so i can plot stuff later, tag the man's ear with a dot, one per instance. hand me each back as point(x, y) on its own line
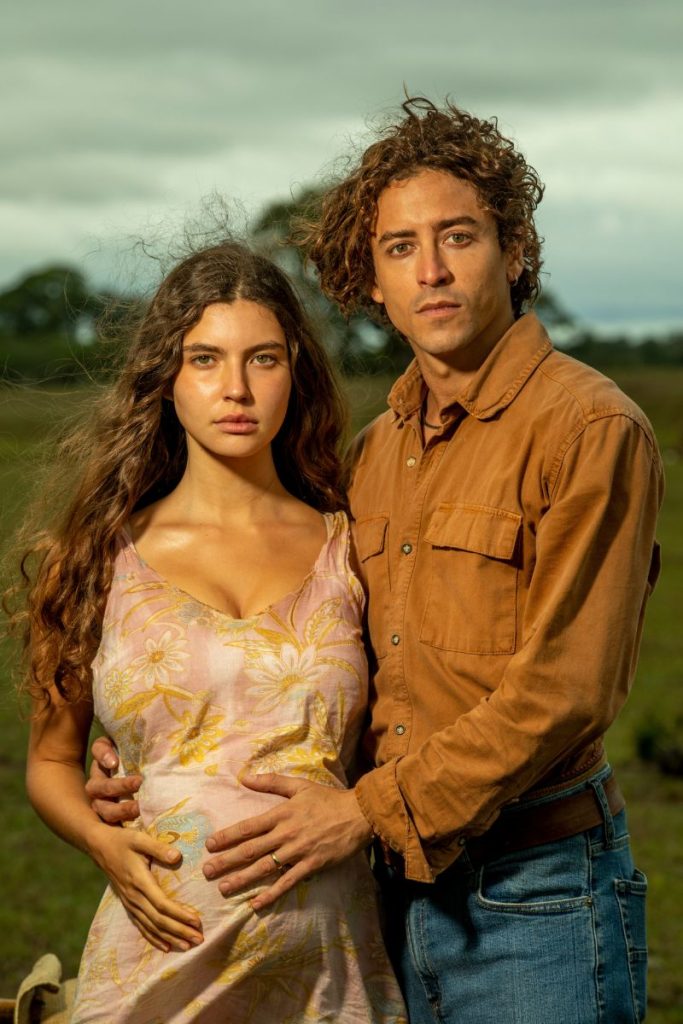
point(376, 294)
point(514, 258)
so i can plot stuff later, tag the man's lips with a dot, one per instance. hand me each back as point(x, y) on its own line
point(438, 309)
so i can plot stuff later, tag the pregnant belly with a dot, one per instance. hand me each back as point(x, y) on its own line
point(187, 805)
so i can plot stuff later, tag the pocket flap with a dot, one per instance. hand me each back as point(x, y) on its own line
point(487, 531)
point(370, 533)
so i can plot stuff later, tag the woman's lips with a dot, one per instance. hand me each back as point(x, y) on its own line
point(236, 425)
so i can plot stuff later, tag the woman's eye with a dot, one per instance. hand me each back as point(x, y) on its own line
point(264, 359)
point(202, 360)
point(400, 249)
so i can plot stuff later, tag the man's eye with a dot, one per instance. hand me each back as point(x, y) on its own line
point(264, 359)
point(400, 249)
point(458, 237)
point(202, 360)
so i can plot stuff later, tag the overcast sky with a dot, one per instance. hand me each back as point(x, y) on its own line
point(117, 118)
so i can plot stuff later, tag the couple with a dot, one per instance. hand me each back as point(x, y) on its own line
point(504, 512)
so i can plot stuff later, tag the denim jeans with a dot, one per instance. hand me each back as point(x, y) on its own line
point(553, 934)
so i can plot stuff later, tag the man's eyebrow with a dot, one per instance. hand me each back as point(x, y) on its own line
point(450, 222)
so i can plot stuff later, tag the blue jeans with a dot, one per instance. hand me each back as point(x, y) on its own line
point(553, 934)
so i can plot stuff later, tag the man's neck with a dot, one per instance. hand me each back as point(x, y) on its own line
point(449, 376)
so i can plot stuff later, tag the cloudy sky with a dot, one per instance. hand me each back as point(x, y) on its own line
point(117, 118)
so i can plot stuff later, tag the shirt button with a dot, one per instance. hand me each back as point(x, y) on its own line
point(395, 639)
point(406, 548)
point(462, 840)
point(399, 730)
point(410, 461)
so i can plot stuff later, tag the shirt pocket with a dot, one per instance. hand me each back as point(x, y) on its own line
point(371, 545)
point(471, 604)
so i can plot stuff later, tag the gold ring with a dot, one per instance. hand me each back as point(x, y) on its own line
point(278, 863)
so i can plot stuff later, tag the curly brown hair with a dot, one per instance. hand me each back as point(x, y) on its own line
point(132, 451)
point(336, 229)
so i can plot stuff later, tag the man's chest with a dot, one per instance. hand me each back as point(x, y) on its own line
point(446, 534)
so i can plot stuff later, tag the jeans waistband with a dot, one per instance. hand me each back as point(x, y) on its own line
point(532, 823)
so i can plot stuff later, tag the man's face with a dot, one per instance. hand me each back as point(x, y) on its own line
point(439, 269)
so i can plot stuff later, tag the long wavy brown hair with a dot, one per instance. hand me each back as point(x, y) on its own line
point(132, 451)
point(335, 232)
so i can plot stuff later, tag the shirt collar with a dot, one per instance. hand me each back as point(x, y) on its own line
point(496, 384)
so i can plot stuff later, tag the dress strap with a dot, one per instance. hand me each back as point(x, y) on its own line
point(339, 551)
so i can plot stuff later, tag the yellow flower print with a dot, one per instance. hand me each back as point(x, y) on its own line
point(116, 686)
point(162, 656)
point(197, 736)
point(291, 673)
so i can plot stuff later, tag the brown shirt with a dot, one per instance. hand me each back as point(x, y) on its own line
point(508, 563)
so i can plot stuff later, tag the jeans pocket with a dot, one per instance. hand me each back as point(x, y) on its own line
point(630, 894)
point(548, 879)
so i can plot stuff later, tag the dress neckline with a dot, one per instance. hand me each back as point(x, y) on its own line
point(330, 524)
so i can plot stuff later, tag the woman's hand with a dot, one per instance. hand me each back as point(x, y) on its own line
point(112, 797)
point(125, 855)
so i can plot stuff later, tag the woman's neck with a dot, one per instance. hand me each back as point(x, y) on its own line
point(217, 491)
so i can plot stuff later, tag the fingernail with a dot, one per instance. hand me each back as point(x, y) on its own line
point(109, 761)
point(211, 844)
point(226, 888)
point(173, 855)
point(183, 946)
point(209, 871)
point(197, 940)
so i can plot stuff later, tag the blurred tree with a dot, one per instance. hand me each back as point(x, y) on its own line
point(360, 345)
point(55, 300)
point(48, 325)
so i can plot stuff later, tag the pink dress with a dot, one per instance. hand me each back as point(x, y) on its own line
point(193, 698)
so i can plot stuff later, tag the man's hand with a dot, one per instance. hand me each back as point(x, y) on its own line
point(111, 797)
point(314, 828)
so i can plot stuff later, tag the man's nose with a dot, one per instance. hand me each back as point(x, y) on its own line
point(432, 269)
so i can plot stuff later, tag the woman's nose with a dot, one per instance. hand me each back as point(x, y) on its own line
point(235, 384)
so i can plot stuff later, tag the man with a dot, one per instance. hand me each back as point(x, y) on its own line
point(505, 509)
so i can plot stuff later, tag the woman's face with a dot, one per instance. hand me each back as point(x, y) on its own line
point(232, 390)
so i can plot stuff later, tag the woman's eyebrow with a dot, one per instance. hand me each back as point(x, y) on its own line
point(200, 346)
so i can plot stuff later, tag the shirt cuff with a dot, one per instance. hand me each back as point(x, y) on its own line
point(382, 803)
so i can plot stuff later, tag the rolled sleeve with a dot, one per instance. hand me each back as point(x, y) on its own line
point(385, 807)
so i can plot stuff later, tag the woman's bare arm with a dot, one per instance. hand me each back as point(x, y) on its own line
point(56, 787)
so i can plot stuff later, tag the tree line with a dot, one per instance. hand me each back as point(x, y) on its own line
point(55, 327)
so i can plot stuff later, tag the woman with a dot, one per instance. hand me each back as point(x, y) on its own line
point(197, 594)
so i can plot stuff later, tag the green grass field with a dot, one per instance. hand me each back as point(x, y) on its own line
point(48, 892)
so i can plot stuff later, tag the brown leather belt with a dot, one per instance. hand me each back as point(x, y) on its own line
point(520, 827)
